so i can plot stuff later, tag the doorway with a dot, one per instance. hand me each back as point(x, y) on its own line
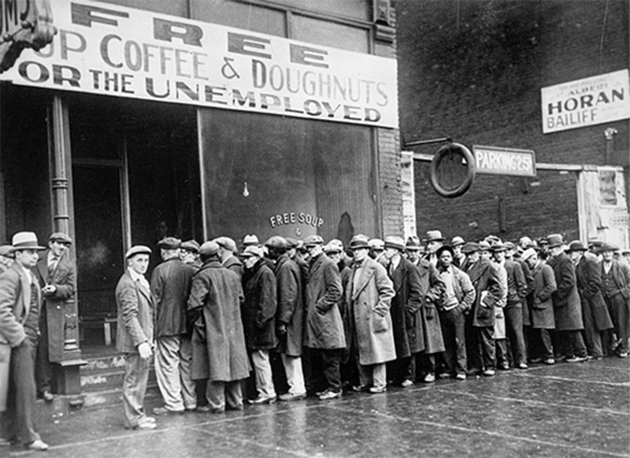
point(135, 180)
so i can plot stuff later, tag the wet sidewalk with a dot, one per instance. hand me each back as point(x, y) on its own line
point(566, 410)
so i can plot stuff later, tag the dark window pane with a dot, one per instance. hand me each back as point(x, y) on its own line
point(330, 34)
point(242, 16)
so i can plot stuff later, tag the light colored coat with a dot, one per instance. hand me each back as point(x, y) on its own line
point(370, 301)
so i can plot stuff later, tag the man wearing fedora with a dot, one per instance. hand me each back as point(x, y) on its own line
point(566, 303)
point(368, 294)
point(57, 277)
point(616, 289)
point(594, 310)
point(134, 338)
point(170, 286)
point(433, 242)
point(20, 302)
point(459, 258)
point(413, 249)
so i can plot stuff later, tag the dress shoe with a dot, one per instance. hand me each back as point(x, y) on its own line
point(622, 354)
point(330, 395)
point(234, 407)
point(263, 400)
point(145, 423)
point(576, 359)
point(292, 397)
point(429, 378)
point(522, 366)
point(161, 411)
point(550, 361)
point(407, 383)
point(460, 376)
point(360, 388)
point(38, 446)
point(378, 389)
point(47, 396)
point(488, 372)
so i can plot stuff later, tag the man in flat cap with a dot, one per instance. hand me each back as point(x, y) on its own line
point(20, 302)
point(616, 289)
point(56, 274)
point(134, 338)
point(189, 253)
point(170, 285)
point(227, 254)
point(6, 258)
point(219, 353)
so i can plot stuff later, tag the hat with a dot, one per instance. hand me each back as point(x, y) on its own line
point(594, 242)
point(492, 239)
point(457, 240)
point(470, 247)
point(208, 249)
point(528, 253)
point(576, 245)
point(228, 243)
point(497, 246)
point(6, 251)
point(137, 249)
point(169, 243)
point(554, 240)
point(277, 242)
point(359, 241)
point(60, 237)
point(250, 240)
point(25, 241)
point(312, 240)
point(253, 250)
point(413, 243)
point(525, 241)
point(394, 242)
point(483, 246)
point(334, 246)
point(509, 246)
point(623, 252)
point(434, 236)
point(376, 244)
point(190, 245)
point(444, 248)
point(291, 242)
point(607, 247)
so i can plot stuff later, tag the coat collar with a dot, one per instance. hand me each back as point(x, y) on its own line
point(366, 273)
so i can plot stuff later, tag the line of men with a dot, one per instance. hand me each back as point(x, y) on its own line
point(387, 314)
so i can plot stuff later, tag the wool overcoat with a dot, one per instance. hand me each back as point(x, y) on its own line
point(567, 307)
point(432, 289)
point(405, 309)
point(259, 310)
point(541, 305)
point(290, 310)
point(589, 278)
point(489, 290)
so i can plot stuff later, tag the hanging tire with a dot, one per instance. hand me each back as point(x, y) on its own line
point(442, 153)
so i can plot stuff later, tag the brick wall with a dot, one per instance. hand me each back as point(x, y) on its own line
point(473, 71)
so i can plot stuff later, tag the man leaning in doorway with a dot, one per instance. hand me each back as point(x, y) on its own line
point(170, 286)
point(20, 302)
point(57, 278)
point(135, 335)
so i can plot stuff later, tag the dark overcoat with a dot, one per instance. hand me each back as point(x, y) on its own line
point(369, 293)
point(170, 285)
point(324, 326)
point(489, 291)
point(589, 278)
point(218, 340)
point(290, 305)
point(64, 278)
point(566, 300)
point(259, 309)
point(432, 289)
point(135, 314)
point(541, 305)
point(235, 265)
point(405, 309)
point(527, 302)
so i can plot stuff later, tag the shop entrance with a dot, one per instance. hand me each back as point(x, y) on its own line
point(135, 174)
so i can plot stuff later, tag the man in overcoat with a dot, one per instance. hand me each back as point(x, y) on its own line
point(405, 313)
point(170, 285)
point(57, 278)
point(324, 326)
point(289, 317)
point(369, 294)
point(219, 352)
point(227, 253)
point(134, 338)
point(20, 303)
point(489, 290)
point(594, 310)
point(616, 289)
point(541, 307)
point(566, 303)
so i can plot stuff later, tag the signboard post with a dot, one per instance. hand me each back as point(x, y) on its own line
point(505, 161)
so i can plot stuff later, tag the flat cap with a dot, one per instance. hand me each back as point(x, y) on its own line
point(190, 245)
point(394, 242)
point(227, 243)
point(470, 247)
point(208, 249)
point(334, 246)
point(60, 237)
point(277, 242)
point(528, 253)
point(292, 243)
point(376, 244)
point(313, 240)
point(509, 246)
point(6, 251)
point(137, 249)
point(253, 250)
point(169, 243)
point(483, 246)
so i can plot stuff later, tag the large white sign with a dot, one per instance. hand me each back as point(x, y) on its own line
point(586, 102)
point(124, 52)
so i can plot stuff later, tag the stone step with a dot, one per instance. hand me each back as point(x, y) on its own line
point(105, 380)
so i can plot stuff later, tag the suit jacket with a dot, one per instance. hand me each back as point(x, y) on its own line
point(621, 277)
point(170, 286)
point(64, 278)
point(566, 300)
point(135, 314)
point(489, 291)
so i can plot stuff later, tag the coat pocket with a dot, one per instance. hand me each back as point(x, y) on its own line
point(379, 323)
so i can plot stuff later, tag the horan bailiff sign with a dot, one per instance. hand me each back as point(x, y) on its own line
point(504, 161)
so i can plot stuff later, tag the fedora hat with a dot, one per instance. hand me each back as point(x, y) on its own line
point(607, 247)
point(359, 241)
point(498, 246)
point(554, 240)
point(394, 242)
point(413, 243)
point(434, 236)
point(528, 253)
point(251, 239)
point(576, 245)
point(25, 241)
point(483, 246)
point(457, 241)
point(470, 247)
